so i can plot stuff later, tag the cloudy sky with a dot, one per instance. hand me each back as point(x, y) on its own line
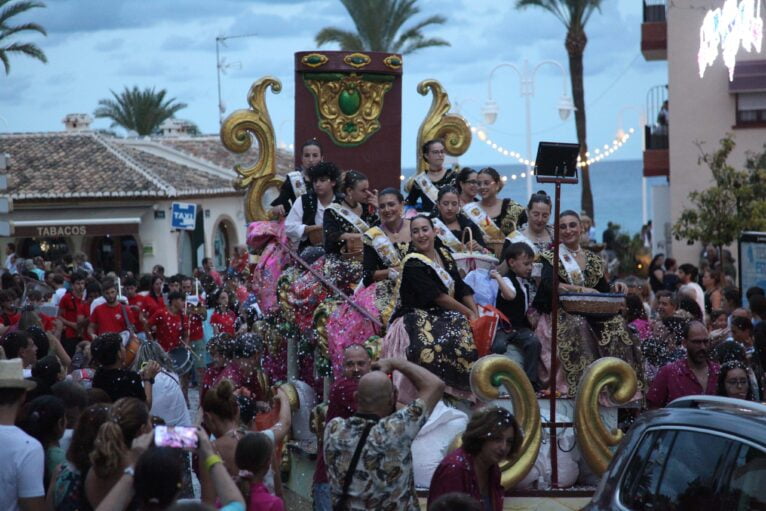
point(94, 46)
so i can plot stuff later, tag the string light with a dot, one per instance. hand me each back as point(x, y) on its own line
point(598, 153)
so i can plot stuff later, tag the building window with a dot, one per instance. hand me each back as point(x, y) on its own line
point(751, 109)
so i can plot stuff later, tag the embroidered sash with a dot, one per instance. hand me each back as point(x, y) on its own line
point(480, 217)
point(443, 274)
point(427, 187)
point(383, 246)
point(350, 217)
point(576, 277)
point(449, 239)
point(517, 237)
point(297, 182)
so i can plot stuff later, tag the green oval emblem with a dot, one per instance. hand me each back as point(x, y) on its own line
point(349, 101)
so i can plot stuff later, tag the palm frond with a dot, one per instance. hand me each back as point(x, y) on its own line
point(6, 62)
point(9, 31)
point(16, 9)
point(346, 40)
point(417, 44)
point(553, 6)
point(137, 110)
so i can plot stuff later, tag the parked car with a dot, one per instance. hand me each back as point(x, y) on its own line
point(699, 453)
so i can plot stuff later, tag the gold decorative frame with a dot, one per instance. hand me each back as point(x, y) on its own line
point(450, 127)
point(594, 439)
point(314, 60)
point(237, 133)
point(348, 106)
point(487, 374)
point(357, 60)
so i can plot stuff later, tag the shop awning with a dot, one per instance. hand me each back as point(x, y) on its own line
point(749, 76)
point(64, 223)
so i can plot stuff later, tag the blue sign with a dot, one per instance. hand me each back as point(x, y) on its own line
point(183, 216)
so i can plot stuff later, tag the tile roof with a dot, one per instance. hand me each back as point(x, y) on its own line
point(88, 165)
point(210, 149)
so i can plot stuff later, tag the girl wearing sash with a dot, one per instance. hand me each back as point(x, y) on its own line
point(435, 309)
point(506, 214)
point(297, 182)
point(537, 229)
point(581, 339)
point(425, 186)
point(344, 220)
point(447, 217)
point(384, 250)
point(307, 214)
point(467, 185)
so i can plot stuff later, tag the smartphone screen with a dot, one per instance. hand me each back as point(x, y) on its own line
point(176, 436)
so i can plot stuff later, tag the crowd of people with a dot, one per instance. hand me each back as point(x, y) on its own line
point(389, 298)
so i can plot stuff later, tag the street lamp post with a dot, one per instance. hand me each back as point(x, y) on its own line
point(527, 82)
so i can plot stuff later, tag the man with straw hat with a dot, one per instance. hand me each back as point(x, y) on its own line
point(21, 472)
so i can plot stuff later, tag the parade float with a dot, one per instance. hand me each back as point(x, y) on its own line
point(351, 102)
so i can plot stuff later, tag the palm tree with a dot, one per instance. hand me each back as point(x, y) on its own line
point(136, 110)
point(574, 14)
point(378, 23)
point(6, 31)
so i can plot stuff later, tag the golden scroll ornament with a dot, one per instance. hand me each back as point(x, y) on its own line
point(237, 133)
point(619, 379)
point(487, 374)
point(450, 127)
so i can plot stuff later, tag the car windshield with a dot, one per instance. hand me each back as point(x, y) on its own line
point(680, 469)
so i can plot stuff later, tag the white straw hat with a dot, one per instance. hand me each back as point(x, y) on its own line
point(12, 375)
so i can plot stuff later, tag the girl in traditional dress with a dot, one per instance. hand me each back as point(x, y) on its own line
point(297, 182)
point(435, 309)
point(384, 250)
point(426, 185)
point(450, 223)
point(505, 214)
point(581, 339)
point(538, 230)
point(467, 185)
point(344, 224)
point(307, 214)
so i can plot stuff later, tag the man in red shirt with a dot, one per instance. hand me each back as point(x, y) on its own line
point(196, 313)
point(112, 316)
point(9, 316)
point(695, 374)
point(74, 313)
point(135, 304)
point(169, 326)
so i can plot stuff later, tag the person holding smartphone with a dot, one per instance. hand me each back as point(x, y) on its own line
point(153, 477)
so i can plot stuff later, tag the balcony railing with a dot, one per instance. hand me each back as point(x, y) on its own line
point(654, 11)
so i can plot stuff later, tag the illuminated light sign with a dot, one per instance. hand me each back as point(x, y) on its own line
point(729, 27)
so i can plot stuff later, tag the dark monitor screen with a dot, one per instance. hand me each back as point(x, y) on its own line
point(556, 162)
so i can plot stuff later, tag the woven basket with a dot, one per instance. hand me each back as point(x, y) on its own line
point(468, 261)
point(496, 246)
point(592, 304)
point(316, 237)
point(353, 249)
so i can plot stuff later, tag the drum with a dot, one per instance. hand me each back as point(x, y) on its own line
point(132, 345)
point(182, 359)
point(595, 305)
point(353, 249)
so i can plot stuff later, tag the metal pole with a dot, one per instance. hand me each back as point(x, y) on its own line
point(554, 339)
point(528, 105)
point(218, 69)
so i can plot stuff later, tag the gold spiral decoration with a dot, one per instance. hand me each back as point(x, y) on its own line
point(450, 127)
point(620, 380)
point(321, 315)
point(487, 374)
point(237, 133)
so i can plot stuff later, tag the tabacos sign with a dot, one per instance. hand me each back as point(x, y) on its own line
point(183, 216)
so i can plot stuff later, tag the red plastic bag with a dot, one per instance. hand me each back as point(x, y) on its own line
point(485, 327)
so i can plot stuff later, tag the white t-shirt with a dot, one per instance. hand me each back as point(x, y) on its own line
point(168, 400)
point(294, 227)
point(22, 469)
